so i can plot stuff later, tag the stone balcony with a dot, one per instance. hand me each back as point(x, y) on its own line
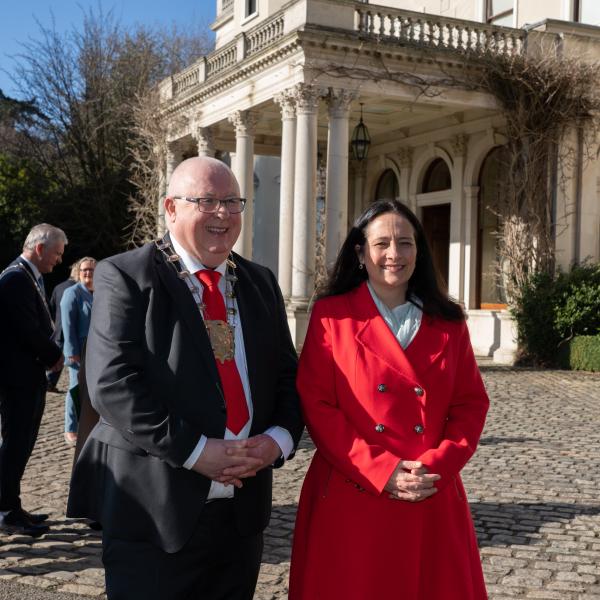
point(367, 23)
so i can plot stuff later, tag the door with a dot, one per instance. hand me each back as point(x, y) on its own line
point(436, 223)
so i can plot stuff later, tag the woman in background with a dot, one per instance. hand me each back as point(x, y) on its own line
point(76, 310)
point(395, 405)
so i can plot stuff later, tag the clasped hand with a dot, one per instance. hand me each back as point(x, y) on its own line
point(230, 461)
point(411, 482)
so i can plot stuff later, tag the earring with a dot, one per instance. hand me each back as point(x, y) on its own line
point(361, 266)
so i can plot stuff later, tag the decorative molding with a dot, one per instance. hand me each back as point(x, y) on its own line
point(459, 145)
point(405, 155)
point(287, 104)
point(339, 102)
point(205, 139)
point(244, 122)
point(307, 98)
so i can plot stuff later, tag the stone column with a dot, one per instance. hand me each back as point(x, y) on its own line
point(336, 191)
point(405, 155)
point(244, 122)
point(360, 173)
point(305, 177)
point(205, 139)
point(305, 210)
point(287, 104)
point(470, 246)
point(456, 254)
point(173, 158)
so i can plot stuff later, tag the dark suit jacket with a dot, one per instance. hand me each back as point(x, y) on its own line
point(57, 294)
point(152, 378)
point(27, 329)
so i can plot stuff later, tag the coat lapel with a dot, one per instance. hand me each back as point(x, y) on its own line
point(376, 337)
point(186, 307)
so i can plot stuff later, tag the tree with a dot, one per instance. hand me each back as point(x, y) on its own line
point(24, 194)
point(83, 85)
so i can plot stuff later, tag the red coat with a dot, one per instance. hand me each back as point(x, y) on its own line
point(368, 404)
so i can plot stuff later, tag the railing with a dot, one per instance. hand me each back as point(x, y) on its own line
point(265, 34)
point(221, 59)
point(432, 31)
point(186, 79)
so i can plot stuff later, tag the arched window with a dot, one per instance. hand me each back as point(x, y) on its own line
point(437, 177)
point(490, 284)
point(387, 186)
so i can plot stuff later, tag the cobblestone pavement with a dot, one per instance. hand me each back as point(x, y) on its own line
point(533, 485)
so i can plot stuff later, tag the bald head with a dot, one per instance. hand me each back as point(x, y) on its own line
point(207, 236)
point(192, 172)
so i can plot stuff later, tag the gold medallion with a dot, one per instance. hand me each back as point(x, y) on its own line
point(220, 334)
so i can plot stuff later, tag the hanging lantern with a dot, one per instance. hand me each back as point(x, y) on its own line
point(361, 140)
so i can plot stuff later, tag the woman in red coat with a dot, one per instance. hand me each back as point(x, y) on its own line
point(395, 405)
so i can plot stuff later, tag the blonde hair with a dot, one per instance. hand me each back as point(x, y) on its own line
point(78, 264)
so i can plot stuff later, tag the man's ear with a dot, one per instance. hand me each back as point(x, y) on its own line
point(39, 249)
point(170, 211)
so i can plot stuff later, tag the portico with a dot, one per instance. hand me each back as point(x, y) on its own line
point(290, 81)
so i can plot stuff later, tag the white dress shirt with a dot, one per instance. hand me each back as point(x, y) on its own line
point(281, 436)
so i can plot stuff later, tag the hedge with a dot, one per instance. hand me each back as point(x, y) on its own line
point(582, 353)
point(553, 309)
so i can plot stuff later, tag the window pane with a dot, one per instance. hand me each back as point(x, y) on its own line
point(500, 6)
point(437, 177)
point(387, 187)
point(506, 20)
point(589, 12)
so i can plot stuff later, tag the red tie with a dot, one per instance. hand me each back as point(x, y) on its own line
point(233, 390)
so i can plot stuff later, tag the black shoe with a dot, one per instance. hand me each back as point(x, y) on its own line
point(95, 525)
point(35, 518)
point(15, 522)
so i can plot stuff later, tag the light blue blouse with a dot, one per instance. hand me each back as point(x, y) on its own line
point(403, 320)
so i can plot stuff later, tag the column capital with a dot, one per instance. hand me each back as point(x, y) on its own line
point(459, 144)
point(287, 104)
point(205, 139)
point(339, 102)
point(306, 98)
point(405, 154)
point(244, 122)
point(471, 191)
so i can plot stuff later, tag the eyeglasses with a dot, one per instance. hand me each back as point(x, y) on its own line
point(212, 205)
point(86, 270)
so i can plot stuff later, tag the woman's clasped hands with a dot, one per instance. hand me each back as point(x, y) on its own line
point(411, 482)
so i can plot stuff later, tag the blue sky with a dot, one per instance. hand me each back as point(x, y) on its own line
point(18, 20)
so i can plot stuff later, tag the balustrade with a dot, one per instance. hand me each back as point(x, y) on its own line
point(431, 31)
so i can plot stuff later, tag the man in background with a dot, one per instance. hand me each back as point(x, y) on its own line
point(26, 323)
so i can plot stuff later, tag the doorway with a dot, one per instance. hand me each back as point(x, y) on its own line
point(436, 223)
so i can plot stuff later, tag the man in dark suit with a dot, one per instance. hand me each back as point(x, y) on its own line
point(191, 367)
point(57, 294)
point(25, 321)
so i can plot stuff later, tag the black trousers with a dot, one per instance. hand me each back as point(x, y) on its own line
point(21, 410)
point(215, 564)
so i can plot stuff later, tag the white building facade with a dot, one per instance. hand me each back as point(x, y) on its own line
point(288, 81)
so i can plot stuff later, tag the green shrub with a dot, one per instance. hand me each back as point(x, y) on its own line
point(551, 310)
point(582, 353)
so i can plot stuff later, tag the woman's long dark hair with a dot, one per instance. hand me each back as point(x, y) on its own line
point(425, 282)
